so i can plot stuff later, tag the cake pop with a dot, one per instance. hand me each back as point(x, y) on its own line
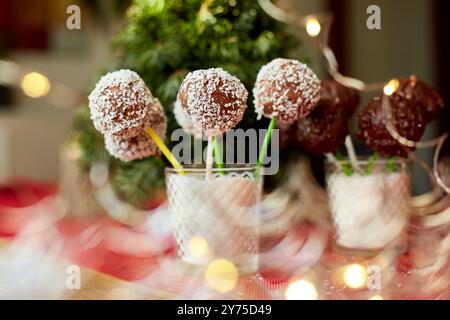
point(428, 98)
point(286, 90)
point(214, 100)
point(325, 129)
point(121, 104)
point(408, 120)
point(139, 147)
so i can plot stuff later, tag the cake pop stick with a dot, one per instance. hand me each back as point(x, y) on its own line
point(166, 152)
point(266, 142)
point(218, 154)
point(209, 156)
point(352, 154)
point(188, 126)
point(332, 159)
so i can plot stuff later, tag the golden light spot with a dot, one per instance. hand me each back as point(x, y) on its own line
point(355, 276)
point(377, 297)
point(35, 85)
point(198, 247)
point(221, 275)
point(301, 290)
point(391, 87)
point(313, 27)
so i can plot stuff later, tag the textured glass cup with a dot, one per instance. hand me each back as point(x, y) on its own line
point(370, 204)
point(216, 214)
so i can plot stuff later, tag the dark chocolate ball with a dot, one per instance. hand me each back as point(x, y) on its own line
point(325, 129)
point(429, 99)
point(408, 120)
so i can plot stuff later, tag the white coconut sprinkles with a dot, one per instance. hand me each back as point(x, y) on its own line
point(120, 104)
point(214, 100)
point(286, 90)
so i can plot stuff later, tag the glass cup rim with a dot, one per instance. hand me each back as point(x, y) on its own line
point(365, 160)
point(202, 169)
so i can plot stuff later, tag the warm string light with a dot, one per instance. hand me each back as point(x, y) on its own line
point(199, 248)
point(313, 27)
point(301, 290)
point(35, 85)
point(391, 87)
point(221, 275)
point(436, 172)
point(355, 276)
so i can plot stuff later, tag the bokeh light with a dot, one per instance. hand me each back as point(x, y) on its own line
point(301, 290)
point(377, 297)
point(391, 87)
point(313, 27)
point(221, 275)
point(355, 276)
point(35, 85)
point(199, 248)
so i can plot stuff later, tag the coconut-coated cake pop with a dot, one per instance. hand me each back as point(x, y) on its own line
point(121, 103)
point(214, 100)
point(286, 90)
point(139, 147)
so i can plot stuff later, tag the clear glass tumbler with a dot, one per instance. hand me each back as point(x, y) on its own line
point(369, 201)
point(216, 214)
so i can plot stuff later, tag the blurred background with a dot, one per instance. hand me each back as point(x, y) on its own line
point(33, 35)
point(57, 198)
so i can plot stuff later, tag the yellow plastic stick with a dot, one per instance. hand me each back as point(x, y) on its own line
point(166, 152)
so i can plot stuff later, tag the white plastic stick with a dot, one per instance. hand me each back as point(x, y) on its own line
point(331, 158)
point(352, 154)
point(209, 157)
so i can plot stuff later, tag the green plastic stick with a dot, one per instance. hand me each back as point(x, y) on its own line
point(266, 142)
point(345, 166)
point(391, 164)
point(373, 158)
point(218, 154)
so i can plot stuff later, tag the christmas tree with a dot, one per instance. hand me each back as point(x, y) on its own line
point(162, 41)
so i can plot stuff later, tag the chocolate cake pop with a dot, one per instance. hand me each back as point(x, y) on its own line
point(325, 129)
point(335, 94)
point(139, 147)
point(214, 100)
point(121, 103)
point(408, 120)
point(428, 98)
point(286, 90)
point(288, 135)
